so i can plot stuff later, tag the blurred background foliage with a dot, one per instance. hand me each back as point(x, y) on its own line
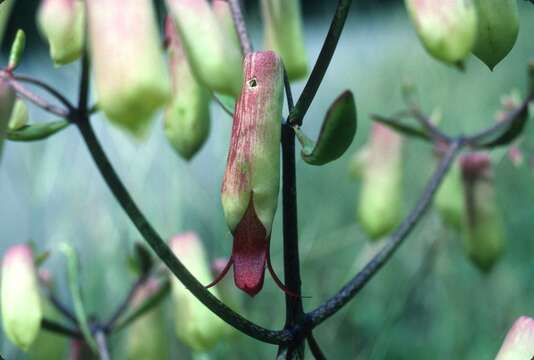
point(429, 301)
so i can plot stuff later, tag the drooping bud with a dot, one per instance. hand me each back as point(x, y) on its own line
point(196, 325)
point(519, 342)
point(5, 11)
point(221, 9)
point(449, 200)
point(379, 208)
point(484, 233)
point(498, 26)
point(447, 29)
point(7, 102)
point(130, 74)
point(146, 337)
point(187, 118)
point(252, 178)
point(21, 306)
point(214, 58)
point(284, 34)
point(62, 23)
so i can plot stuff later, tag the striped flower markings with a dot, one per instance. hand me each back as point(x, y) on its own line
point(252, 178)
point(19, 296)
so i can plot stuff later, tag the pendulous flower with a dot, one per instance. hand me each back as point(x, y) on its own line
point(519, 342)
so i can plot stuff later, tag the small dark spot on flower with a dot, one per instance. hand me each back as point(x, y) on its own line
point(252, 83)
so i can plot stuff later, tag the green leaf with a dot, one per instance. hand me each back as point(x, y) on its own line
point(512, 132)
point(17, 49)
point(74, 288)
point(336, 135)
point(35, 132)
point(400, 127)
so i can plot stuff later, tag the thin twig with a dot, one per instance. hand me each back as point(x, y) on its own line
point(51, 90)
point(222, 105)
point(429, 126)
point(240, 26)
point(102, 344)
point(321, 65)
point(52, 326)
point(62, 308)
point(315, 348)
point(124, 305)
point(348, 291)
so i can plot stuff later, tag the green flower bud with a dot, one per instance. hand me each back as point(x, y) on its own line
point(284, 34)
point(196, 325)
point(498, 26)
point(449, 199)
point(17, 50)
point(130, 74)
point(519, 342)
point(447, 29)
point(5, 11)
point(484, 231)
point(187, 118)
point(7, 102)
point(19, 116)
point(221, 9)
point(214, 58)
point(62, 23)
point(146, 336)
point(21, 306)
point(252, 178)
point(379, 209)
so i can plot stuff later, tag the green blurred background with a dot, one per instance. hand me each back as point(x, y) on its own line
point(51, 192)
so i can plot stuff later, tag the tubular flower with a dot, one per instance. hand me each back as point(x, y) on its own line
point(519, 342)
point(283, 34)
point(130, 74)
point(447, 28)
point(214, 58)
point(196, 325)
point(252, 179)
point(484, 240)
point(187, 118)
point(380, 197)
point(21, 305)
point(62, 24)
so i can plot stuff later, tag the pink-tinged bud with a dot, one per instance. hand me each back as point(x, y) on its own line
point(21, 306)
point(62, 23)
point(379, 209)
point(252, 178)
point(519, 342)
point(187, 117)
point(5, 11)
point(284, 34)
point(146, 336)
point(221, 9)
point(447, 28)
point(130, 74)
point(7, 102)
point(196, 325)
point(214, 58)
point(484, 235)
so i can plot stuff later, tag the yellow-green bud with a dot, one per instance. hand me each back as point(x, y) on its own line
point(214, 58)
point(498, 26)
point(484, 229)
point(21, 306)
point(146, 336)
point(519, 342)
point(449, 199)
point(7, 102)
point(284, 34)
point(379, 208)
point(447, 29)
point(131, 78)
point(5, 11)
point(196, 325)
point(62, 23)
point(187, 117)
point(19, 115)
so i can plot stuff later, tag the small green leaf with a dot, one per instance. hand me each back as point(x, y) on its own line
point(35, 132)
point(512, 132)
point(336, 135)
point(17, 49)
point(400, 127)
